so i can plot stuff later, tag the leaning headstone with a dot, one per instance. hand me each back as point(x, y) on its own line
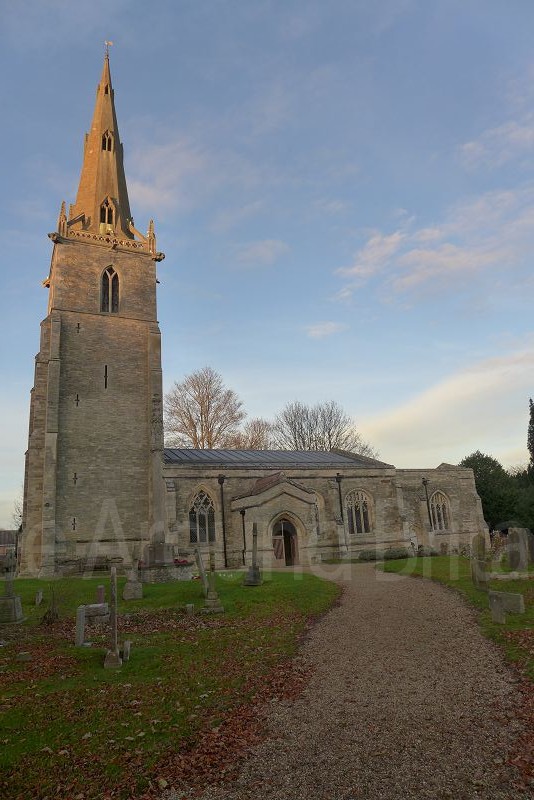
point(213, 604)
point(202, 572)
point(496, 608)
point(113, 659)
point(479, 574)
point(253, 577)
point(511, 602)
point(10, 603)
point(518, 549)
point(80, 626)
point(133, 588)
point(100, 594)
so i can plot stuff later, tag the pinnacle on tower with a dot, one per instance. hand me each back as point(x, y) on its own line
point(102, 204)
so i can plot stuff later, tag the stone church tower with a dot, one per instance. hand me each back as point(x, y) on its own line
point(93, 479)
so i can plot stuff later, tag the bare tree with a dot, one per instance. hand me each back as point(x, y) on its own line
point(201, 412)
point(324, 426)
point(17, 510)
point(255, 435)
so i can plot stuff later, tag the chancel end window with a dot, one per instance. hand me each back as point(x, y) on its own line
point(440, 512)
point(110, 291)
point(202, 519)
point(358, 510)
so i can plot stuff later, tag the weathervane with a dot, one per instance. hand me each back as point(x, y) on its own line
point(107, 45)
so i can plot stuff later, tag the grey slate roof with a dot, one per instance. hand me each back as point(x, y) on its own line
point(270, 459)
point(8, 538)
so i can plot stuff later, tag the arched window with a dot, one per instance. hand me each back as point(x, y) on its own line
point(107, 141)
point(202, 519)
point(110, 291)
point(106, 213)
point(358, 508)
point(440, 512)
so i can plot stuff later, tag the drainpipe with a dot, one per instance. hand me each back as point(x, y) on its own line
point(424, 481)
point(221, 481)
point(242, 512)
point(339, 478)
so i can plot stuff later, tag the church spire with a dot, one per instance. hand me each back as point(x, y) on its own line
point(102, 204)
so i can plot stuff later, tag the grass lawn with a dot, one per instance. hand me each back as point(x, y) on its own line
point(516, 636)
point(70, 729)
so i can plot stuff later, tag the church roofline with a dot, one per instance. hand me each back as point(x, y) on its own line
point(270, 459)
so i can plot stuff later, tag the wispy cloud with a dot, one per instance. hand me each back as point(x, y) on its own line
point(499, 145)
point(460, 414)
point(263, 252)
point(485, 232)
point(320, 330)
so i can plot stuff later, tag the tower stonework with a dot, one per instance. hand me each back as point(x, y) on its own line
point(93, 478)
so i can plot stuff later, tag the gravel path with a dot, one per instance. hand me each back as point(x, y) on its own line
point(407, 700)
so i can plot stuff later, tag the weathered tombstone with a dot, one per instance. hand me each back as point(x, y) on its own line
point(10, 603)
point(202, 572)
point(479, 574)
point(113, 659)
point(190, 609)
point(518, 549)
point(80, 626)
point(213, 604)
point(39, 597)
point(126, 649)
point(496, 608)
point(511, 602)
point(133, 588)
point(100, 594)
point(253, 577)
point(530, 541)
point(97, 614)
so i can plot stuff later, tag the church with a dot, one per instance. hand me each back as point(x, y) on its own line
point(99, 485)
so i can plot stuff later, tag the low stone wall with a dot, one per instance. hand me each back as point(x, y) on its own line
point(166, 573)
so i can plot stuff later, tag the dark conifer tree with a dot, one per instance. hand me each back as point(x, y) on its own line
point(530, 435)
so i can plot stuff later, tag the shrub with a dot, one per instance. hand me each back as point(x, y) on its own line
point(426, 551)
point(367, 555)
point(395, 552)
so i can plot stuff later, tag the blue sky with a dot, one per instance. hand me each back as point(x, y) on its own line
point(344, 191)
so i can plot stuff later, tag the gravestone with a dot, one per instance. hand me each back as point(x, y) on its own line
point(100, 594)
point(530, 540)
point(10, 603)
point(496, 608)
point(133, 588)
point(253, 577)
point(39, 597)
point(97, 614)
point(511, 602)
point(479, 574)
point(517, 546)
point(80, 627)
point(113, 659)
point(190, 609)
point(213, 604)
point(126, 649)
point(202, 572)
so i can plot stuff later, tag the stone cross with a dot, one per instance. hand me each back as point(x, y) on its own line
point(254, 576)
point(202, 571)
point(113, 659)
point(213, 604)
point(479, 574)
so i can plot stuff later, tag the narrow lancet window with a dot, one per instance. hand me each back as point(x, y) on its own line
point(106, 213)
point(109, 294)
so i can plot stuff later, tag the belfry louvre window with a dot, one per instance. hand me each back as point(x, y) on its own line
point(440, 512)
point(110, 291)
point(202, 519)
point(358, 508)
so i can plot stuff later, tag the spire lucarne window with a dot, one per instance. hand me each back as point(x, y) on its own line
point(110, 291)
point(107, 141)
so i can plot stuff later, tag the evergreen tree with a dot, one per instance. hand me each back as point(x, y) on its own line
point(530, 435)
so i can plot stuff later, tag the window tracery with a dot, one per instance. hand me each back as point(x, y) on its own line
point(440, 512)
point(109, 301)
point(202, 519)
point(358, 510)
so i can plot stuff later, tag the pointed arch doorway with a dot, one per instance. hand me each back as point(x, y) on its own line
point(285, 542)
